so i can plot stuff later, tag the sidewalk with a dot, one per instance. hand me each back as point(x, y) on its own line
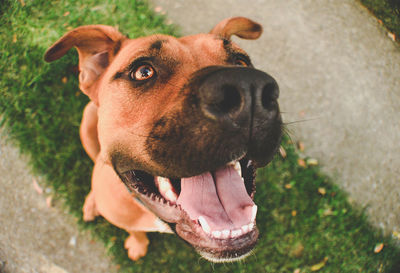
point(35, 238)
point(339, 73)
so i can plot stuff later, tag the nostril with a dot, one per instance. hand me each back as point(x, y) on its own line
point(229, 100)
point(269, 94)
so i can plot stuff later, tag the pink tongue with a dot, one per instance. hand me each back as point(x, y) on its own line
point(224, 203)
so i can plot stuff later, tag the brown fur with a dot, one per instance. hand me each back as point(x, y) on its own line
point(121, 114)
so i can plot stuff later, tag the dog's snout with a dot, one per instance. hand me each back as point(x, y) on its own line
point(222, 100)
point(269, 94)
point(238, 95)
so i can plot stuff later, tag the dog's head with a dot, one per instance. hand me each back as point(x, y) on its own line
point(184, 122)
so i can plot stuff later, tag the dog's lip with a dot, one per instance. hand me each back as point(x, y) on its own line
point(216, 249)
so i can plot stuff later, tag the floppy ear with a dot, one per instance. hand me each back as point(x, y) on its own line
point(239, 26)
point(97, 46)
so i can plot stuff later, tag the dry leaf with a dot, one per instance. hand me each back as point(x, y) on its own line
point(22, 3)
point(322, 191)
point(66, 14)
point(319, 265)
point(158, 9)
point(312, 162)
point(64, 80)
point(396, 234)
point(282, 152)
point(294, 213)
point(36, 186)
point(297, 250)
point(328, 212)
point(296, 270)
point(301, 163)
point(14, 38)
point(378, 248)
point(392, 36)
point(113, 239)
point(380, 22)
point(300, 145)
point(288, 186)
point(77, 94)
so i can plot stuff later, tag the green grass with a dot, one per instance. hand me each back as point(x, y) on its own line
point(42, 115)
point(388, 11)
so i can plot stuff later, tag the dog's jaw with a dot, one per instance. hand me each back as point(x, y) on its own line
point(221, 244)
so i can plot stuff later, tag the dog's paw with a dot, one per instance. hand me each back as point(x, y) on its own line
point(89, 208)
point(136, 244)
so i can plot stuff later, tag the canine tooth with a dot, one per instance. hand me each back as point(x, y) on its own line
point(249, 163)
point(216, 234)
point(236, 233)
point(225, 233)
point(163, 184)
point(171, 196)
point(253, 213)
point(204, 225)
point(251, 226)
point(245, 228)
point(236, 166)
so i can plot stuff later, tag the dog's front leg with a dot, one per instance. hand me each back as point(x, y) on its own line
point(88, 131)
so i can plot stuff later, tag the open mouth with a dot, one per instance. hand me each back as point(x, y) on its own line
point(213, 211)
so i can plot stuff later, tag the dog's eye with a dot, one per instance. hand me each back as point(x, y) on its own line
point(143, 72)
point(241, 62)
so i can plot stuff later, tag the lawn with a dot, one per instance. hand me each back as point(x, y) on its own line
point(306, 222)
point(388, 13)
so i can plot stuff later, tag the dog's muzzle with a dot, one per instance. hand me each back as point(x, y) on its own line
point(228, 126)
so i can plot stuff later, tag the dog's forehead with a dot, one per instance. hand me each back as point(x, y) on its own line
point(199, 46)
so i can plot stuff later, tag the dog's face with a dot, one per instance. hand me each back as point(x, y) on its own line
point(185, 122)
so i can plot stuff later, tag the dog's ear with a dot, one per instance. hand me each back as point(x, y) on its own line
point(239, 26)
point(97, 45)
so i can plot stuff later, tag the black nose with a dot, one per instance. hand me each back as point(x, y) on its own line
point(238, 96)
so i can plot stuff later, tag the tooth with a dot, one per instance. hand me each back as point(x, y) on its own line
point(253, 213)
point(171, 196)
point(225, 233)
point(204, 225)
point(249, 163)
point(236, 233)
point(245, 228)
point(163, 184)
point(238, 168)
point(251, 226)
point(216, 234)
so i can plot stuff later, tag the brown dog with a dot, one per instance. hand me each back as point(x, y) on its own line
point(181, 124)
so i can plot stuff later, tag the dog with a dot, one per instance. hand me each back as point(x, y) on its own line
point(176, 128)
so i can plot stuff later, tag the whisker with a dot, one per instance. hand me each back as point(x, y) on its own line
point(299, 121)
